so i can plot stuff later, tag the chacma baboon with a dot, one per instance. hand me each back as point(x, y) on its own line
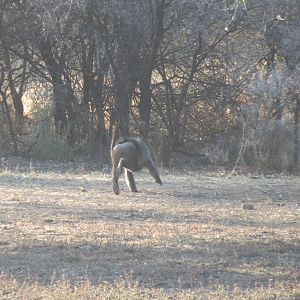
point(132, 153)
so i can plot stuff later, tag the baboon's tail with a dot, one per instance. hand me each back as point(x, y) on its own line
point(113, 140)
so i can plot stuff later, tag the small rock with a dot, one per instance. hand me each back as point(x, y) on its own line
point(49, 221)
point(86, 249)
point(247, 206)
point(82, 189)
point(4, 243)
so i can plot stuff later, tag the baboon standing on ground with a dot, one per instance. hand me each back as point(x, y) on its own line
point(132, 153)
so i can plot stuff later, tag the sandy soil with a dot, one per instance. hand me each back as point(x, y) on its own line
point(64, 221)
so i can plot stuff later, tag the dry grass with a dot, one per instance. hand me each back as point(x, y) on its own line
point(65, 235)
point(125, 290)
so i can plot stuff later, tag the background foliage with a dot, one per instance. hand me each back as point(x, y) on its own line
point(215, 80)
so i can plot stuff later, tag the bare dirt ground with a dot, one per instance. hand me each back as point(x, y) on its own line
point(65, 235)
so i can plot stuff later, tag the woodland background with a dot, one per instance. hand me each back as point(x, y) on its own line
point(215, 80)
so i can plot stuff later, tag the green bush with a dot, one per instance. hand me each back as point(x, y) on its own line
point(47, 144)
point(50, 146)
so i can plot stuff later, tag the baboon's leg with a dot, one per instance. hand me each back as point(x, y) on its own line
point(153, 171)
point(115, 178)
point(120, 167)
point(115, 184)
point(130, 181)
point(116, 173)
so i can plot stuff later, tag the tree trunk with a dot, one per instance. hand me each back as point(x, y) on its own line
point(16, 97)
point(145, 106)
point(63, 95)
point(122, 86)
point(60, 118)
point(122, 108)
point(296, 133)
point(97, 96)
point(10, 124)
point(145, 103)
